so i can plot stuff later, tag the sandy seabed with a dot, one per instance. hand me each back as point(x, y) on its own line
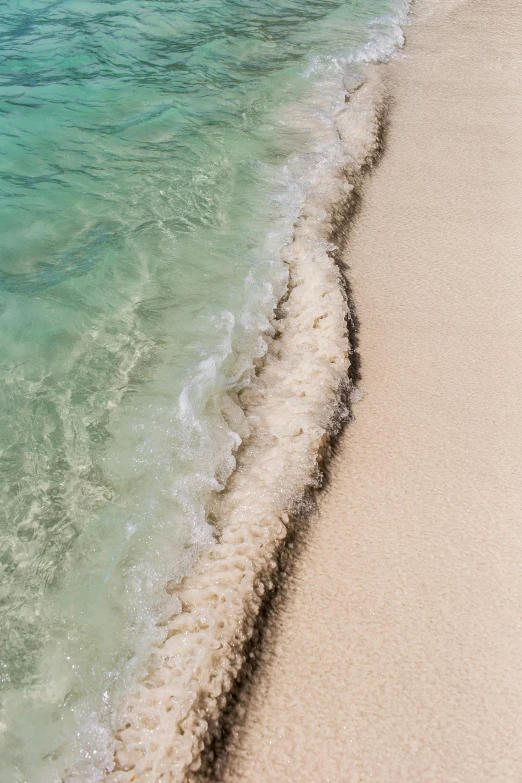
point(397, 655)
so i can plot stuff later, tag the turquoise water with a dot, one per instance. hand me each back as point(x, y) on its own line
point(147, 183)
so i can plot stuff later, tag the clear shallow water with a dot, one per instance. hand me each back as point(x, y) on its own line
point(145, 193)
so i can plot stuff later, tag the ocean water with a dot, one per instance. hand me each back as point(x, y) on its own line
point(154, 156)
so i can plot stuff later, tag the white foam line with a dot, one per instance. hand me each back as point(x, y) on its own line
point(290, 408)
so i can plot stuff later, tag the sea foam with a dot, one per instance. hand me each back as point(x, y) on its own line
point(289, 410)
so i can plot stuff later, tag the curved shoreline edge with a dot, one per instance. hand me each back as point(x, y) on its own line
point(177, 709)
point(395, 653)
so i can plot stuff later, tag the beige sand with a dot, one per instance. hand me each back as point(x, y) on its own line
point(398, 655)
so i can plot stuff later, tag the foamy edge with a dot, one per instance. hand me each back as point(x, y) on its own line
point(291, 408)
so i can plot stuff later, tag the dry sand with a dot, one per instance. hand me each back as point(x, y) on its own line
point(398, 653)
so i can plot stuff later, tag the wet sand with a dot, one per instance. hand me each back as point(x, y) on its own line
point(398, 653)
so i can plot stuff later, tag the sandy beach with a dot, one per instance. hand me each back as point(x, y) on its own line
point(397, 654)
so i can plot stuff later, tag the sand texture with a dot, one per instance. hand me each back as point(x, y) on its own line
point(397, 655)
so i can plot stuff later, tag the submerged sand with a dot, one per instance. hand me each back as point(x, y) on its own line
point(398, 653)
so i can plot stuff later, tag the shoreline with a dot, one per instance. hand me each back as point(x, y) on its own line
point(178, 708)
point(393, 652)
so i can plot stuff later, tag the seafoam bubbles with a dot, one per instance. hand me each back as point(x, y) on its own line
point(290, 406)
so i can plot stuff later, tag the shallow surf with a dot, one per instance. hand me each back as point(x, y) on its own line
point(172, 174)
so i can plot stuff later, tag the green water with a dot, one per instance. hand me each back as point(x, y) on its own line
point(147, 184)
